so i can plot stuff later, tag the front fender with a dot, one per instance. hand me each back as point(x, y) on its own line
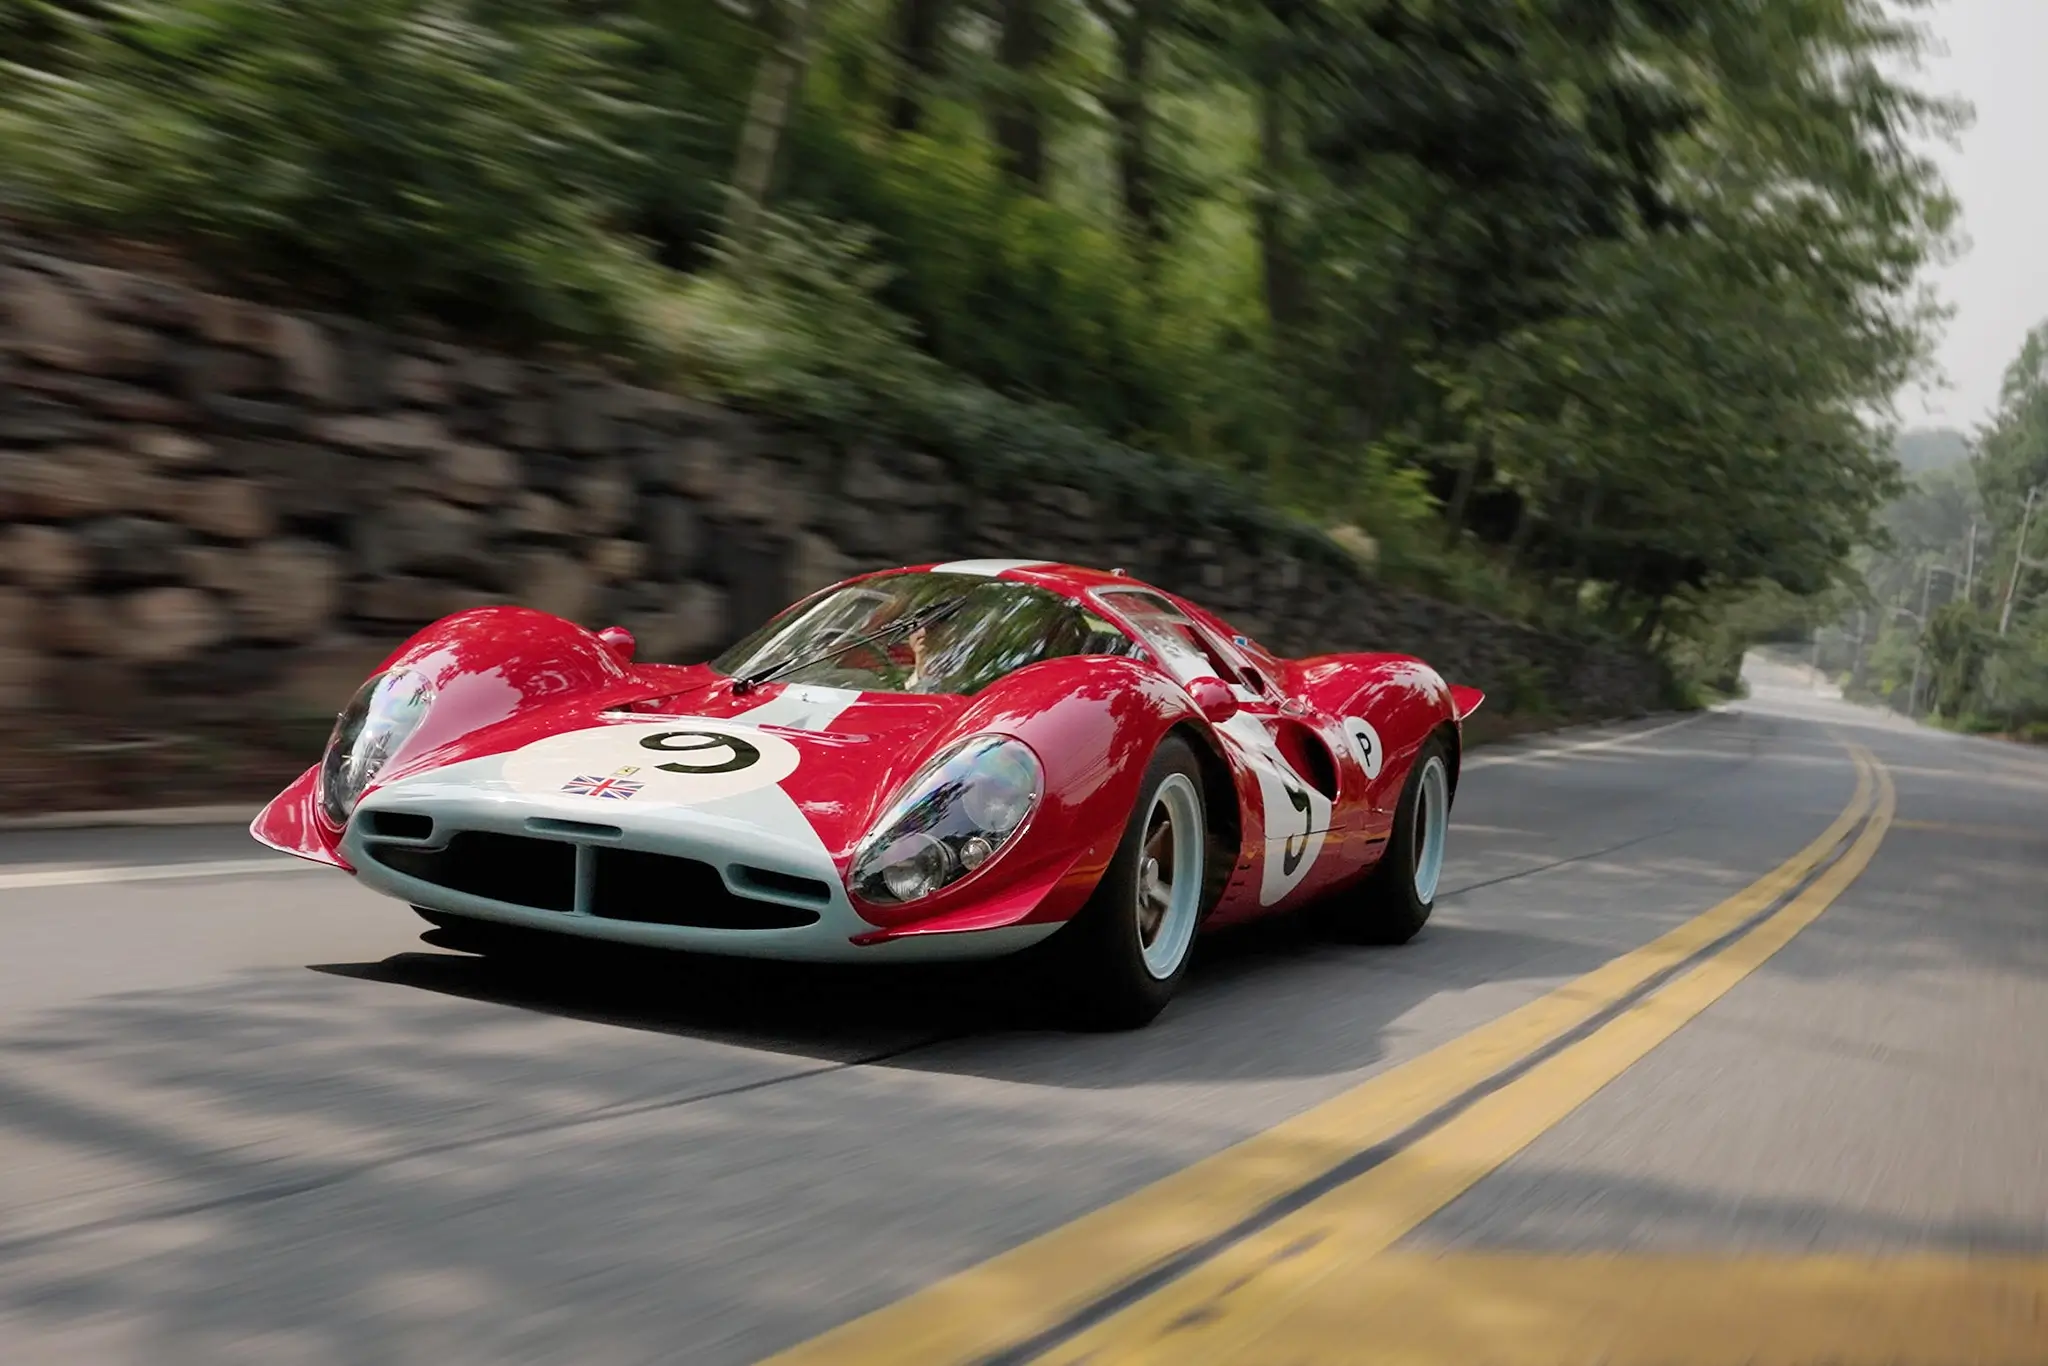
point(292, 824)
point(1094, 722)
point(489, 666)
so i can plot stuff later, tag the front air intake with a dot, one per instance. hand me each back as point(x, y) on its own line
point(661, 889)
point(512, 869)
point(622, 884)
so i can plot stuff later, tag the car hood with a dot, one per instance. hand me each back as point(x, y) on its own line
point(838, 755)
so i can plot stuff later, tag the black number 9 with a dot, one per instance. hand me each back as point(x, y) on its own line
point(740, 753)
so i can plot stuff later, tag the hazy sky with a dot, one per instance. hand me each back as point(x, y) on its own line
point(1997, 54)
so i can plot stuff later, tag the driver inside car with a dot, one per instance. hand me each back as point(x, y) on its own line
point(922, 650)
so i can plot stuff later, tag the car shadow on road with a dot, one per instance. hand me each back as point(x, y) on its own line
point(1262, 1001)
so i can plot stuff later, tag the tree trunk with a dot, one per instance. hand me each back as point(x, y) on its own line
point(1525, 527)
point(1589, 510)
point(1019, 129)
point(768, 109)
point(1133, 115)
point(1276, 256)
point(919, 24)
point(1647, 627)
point(1461, 494)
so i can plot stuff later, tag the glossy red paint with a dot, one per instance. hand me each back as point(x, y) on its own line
point(1214, 699)
point(507, 677)
point(291, 823)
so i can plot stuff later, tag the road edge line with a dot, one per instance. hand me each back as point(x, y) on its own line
point(159, 816)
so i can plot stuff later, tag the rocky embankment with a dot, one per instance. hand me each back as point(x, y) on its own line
point(215, 517)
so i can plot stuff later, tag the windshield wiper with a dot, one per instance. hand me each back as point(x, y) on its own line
point(908, 622)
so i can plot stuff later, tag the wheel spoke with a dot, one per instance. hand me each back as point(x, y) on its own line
point(1165, 909)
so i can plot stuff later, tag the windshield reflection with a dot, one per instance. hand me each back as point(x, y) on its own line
point(996, 628)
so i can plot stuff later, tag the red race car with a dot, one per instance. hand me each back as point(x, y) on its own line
point(958, 760)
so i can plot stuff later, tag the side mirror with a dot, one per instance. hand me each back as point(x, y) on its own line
point(1214, 697)
point(620, 642)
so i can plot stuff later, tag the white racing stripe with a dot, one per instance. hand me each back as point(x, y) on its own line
point(1558, 751)
point(88, 874)
point(991, 568)
point(801, 707)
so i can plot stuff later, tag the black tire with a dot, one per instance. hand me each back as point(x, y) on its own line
point(1388, 907)
point(1095, 971)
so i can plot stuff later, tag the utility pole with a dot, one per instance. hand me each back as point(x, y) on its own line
point(2019, 561)
point(1970, 561)
point(1920, 653)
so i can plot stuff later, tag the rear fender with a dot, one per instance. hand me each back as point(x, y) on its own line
point(1404, 700)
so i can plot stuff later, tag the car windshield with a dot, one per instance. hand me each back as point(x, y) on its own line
point(990, 628)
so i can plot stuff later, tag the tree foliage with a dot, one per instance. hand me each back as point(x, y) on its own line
point(384, 155)
point(1572, 304)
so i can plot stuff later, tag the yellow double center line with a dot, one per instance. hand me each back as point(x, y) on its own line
point(1208, 1262)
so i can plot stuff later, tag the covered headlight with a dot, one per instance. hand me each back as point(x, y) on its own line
point(381, 717)
point(952, 818)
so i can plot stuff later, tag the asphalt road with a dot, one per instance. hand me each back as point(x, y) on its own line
point(246, 1116)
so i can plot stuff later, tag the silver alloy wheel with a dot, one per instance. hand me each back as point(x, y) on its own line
point(1432, 824)
point(1169, 899)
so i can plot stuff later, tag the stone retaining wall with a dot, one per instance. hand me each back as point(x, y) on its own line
point(214, 512)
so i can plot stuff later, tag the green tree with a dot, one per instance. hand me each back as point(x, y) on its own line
point(395, 157)
point(1581, 307)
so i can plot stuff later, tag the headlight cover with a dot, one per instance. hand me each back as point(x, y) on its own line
point(381, 716)
point(951, 819)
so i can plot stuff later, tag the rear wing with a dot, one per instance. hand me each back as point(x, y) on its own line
point(1464, 700)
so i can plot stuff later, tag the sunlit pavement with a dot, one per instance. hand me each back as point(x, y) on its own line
point(246, 1116)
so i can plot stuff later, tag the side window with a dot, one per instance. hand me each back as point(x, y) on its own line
point(1185, 649)
point(1224, 667)
point(1245, 663)
point(1100, 637)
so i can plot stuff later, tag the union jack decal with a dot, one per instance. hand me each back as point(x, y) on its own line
point(613, 788)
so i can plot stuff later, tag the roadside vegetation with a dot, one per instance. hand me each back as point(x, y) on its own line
point(1589, 310)
point(1949, 620)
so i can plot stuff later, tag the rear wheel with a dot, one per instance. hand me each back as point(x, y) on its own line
point(1393, 903)
point(1120, 960)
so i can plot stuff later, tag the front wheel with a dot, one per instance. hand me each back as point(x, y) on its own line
point(1393, 903)
point(1118, 962)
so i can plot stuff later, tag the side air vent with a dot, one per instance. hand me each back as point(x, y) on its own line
point(774, 883)
point(401, 825)
point(576, 830)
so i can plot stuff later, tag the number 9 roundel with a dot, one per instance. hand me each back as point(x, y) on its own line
point(683, 761)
